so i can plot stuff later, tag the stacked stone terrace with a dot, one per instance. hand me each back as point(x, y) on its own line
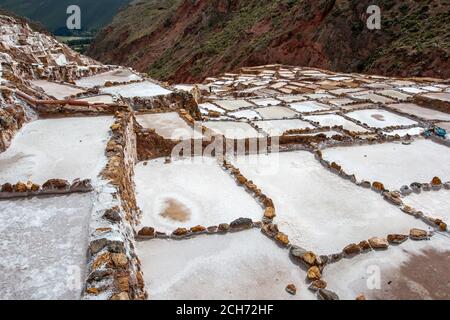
point(130, 190)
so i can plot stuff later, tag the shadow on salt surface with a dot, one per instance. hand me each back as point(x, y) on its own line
point(40, 151)
point(242, 265)
point(319, 210)
point(186, 193)
point(412, 270)
point(44, 243)
point(394, 164)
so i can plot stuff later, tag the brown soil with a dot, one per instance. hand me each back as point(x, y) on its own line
point(379, 117)
point(176, 211)
point(423, 276)
point(185, 41)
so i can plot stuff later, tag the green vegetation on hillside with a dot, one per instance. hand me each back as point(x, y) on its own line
point(186, 40)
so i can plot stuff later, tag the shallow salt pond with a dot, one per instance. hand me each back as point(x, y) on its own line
point(232, 105)
point(403, 132)
point(233, 129)
point(118, 75)
point(99, 99)
point(394, 94)
point(378, 118)
point(421, 112)
point(330, 120)
point(40, 151)
point(242, 265)
point(186, 193)
point(372, 97)
point(245, 114)
point(309, 106)
point(44, 247)
point(394, 164)
point(143, 89)
point(266, 102)
point(317, 209)
point(432, 203)
point(291, 98)
point(276, 113)
point(443, 96)
point(278, 127)
point(413, 270)
point(168, 125)
point(206, 107)
point(57, 90)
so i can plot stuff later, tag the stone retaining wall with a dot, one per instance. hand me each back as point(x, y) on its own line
point(51, 187)
point(436, 104)
point(114, 268)
point(170, 102)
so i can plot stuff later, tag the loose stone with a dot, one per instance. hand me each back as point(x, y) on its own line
point(378, 243)
point(325, 294)
point(317, 285)
point(242, 223)
point(291, 289)
point(418, 234)
point(397, 238)
point(147, 232)
point(314, 273)
point(282, 238)
point(352, 249)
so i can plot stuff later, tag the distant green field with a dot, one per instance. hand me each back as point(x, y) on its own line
point(66, 39)
point(77, 43)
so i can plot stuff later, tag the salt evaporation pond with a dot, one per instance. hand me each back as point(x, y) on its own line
point(168, 125)
point(432, 203)
point(116, 75)
point(413, 270)
point(309, 202)
point(394, 164)
point(44, 247)
point(40, 151)
point(242, 265)
point(186, 193)
point(378, 118)
point(143, 89)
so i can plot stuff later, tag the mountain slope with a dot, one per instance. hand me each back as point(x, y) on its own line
point(52, 13)
point(186, 40)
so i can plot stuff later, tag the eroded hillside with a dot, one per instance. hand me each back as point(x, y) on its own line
point(185, 40)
